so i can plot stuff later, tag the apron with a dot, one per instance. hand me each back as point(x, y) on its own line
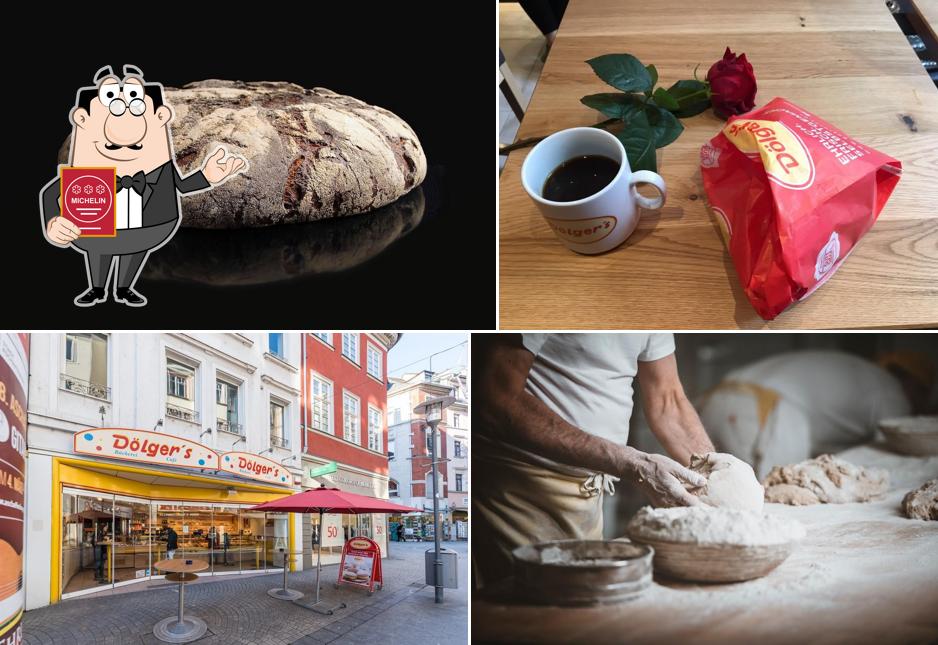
point(517, 500)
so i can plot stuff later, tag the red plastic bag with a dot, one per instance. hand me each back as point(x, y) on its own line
point(794, 195)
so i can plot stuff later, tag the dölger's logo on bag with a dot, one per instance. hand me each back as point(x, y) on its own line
point(793, 196)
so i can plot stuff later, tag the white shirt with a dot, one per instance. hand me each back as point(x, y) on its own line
point(587, 379)
point(128, 209)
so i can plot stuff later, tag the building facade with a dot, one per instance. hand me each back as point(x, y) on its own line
point(409, 451)
point(144, 446)
point(343, 420)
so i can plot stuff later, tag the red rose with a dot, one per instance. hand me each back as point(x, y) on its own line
point(732, 84)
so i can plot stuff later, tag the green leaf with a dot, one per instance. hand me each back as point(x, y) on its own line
point(612, 104)
point(653, 74)
point(665, 125)
point(622, 71)
point(693, 97)
point(664, 99)
point(639, 141)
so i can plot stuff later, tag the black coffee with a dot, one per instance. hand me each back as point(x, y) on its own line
point(579, 177)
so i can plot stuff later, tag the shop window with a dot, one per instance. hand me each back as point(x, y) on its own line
point(227, 417)
point(350, 347)
point(351, 421)
point(375, 428)
point(322, 404)
point(277, 413)
point(181, 390)
point(85, 369)
point(275, 344)
point(374, 361)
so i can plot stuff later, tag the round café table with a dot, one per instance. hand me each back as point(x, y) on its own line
point(284, 593)
point(180, 628)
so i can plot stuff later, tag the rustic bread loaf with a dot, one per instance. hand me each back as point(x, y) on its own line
point(313, 154)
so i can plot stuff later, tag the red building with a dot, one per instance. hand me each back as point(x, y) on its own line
point(343, 418)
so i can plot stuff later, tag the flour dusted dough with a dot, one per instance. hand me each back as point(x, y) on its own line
point(922, 503)
point(707, 525)
point(826, 480)
point(731, 482)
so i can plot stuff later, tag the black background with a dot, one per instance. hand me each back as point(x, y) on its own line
point(422, 61)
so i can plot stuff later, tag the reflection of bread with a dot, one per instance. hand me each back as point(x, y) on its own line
point(11, 566)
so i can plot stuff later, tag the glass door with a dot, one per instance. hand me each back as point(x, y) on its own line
point(131, 544)
point(275, 539)
point(252, 540)
point(229, 545)
point(87, 541)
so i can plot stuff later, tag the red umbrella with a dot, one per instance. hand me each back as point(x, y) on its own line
point(330, 500)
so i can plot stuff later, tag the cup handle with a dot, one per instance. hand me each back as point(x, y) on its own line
point(648, 177)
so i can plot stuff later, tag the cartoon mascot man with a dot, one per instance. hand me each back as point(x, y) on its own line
point(124, 124)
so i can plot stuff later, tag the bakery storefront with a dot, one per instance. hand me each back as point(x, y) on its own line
point(337, 528)
point(129, 498)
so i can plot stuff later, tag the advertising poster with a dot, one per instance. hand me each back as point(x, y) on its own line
point(14, 370)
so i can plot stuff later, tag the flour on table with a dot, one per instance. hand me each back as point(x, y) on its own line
point(731, 482)
point(825, 479)
point(922, 503)
point(708, 525)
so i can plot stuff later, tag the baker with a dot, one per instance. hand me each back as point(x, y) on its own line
point(124, 124)
point(550, 438)
point(792, 406)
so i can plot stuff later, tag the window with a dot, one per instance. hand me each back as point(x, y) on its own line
point(350, 347)
point(391, 446)
point(429, 441)
point(457, 449)
point(181, 390)
point(226, 407)
point(277, 437)
point(392, 488)
point(275, 342)
point(455, 420)
point(374, 361)
point(396, 415)
point(351, 411)
point(86, 365)
point(322, 405)
point(324, 337)
point(458, 482)
point(374, 429)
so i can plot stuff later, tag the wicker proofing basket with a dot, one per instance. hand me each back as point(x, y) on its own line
point(715, 563)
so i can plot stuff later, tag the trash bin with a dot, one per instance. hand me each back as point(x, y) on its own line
point(448, 556)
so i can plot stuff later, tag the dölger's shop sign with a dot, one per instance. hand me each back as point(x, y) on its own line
point(145, 446)
point(250, 465)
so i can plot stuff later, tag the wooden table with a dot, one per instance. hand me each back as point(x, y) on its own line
point(845, 60)
point(180, 628)
point(863, 574)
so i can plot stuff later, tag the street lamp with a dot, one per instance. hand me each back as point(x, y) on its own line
point(432, 409)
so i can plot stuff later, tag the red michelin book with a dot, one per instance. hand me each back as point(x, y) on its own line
point(87, 198)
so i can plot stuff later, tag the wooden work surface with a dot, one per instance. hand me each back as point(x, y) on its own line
point(863, 574)
point(178, 565)
point(848, 63)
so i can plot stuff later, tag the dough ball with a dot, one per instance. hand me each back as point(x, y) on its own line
point(922, 503)
point(731, 482)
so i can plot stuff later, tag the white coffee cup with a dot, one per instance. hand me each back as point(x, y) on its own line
point(603, 220)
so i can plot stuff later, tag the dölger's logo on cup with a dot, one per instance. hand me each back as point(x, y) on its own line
point(581, 182)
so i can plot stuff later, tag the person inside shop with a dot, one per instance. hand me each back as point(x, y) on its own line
point(552, 436)
point(212, 544)
point(400, 532)
point(792, 406)
point(226, 544)
point(172, 542)
point(99, 551)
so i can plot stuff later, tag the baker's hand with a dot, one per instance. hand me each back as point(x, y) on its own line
point(663, 480)
point(217, 171)
point(62, 232)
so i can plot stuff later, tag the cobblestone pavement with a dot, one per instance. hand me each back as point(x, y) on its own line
point(237, 609)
